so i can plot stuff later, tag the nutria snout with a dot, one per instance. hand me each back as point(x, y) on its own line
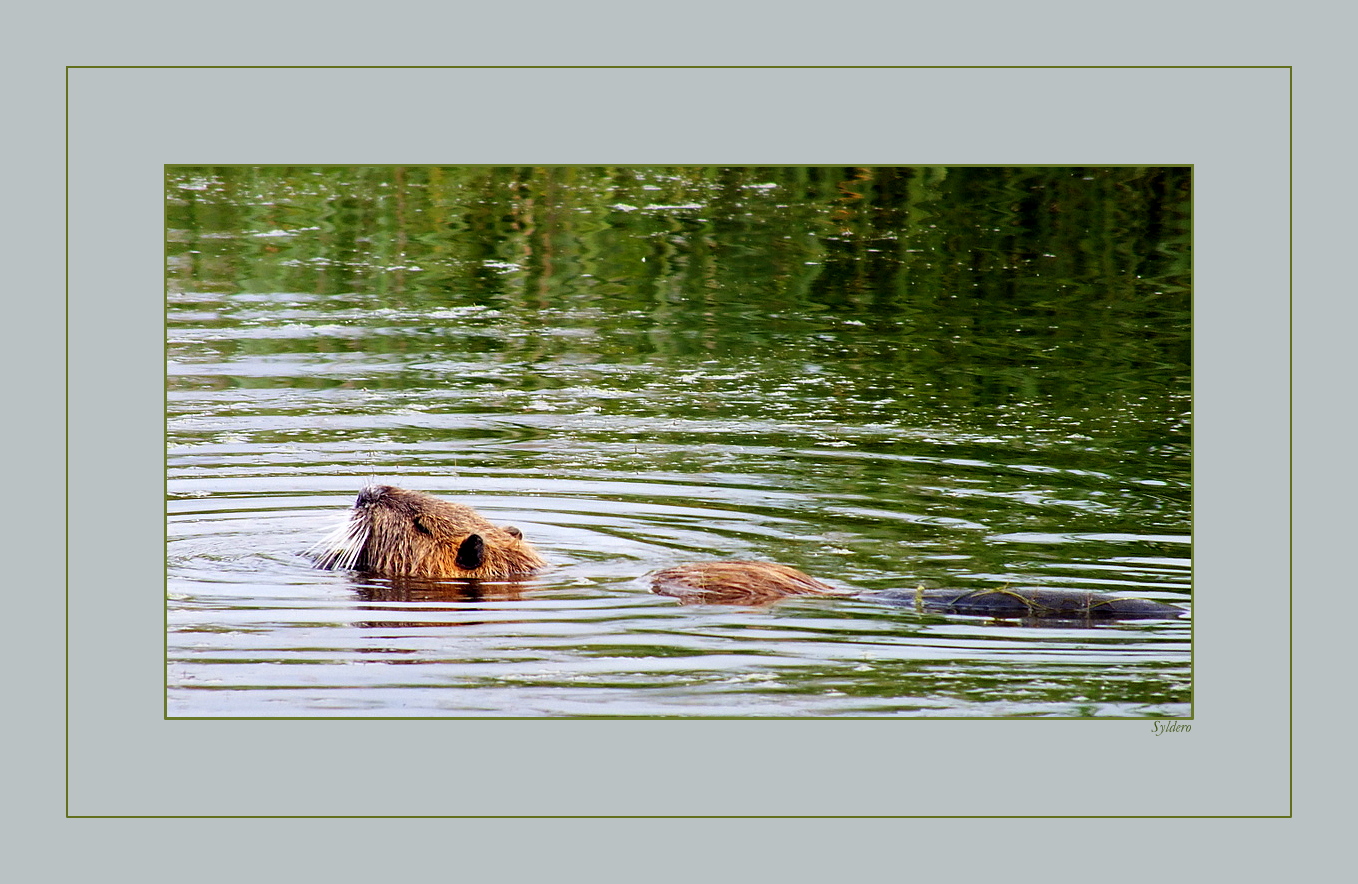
point(400, 533)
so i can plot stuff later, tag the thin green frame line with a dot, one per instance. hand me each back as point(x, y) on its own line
point(662, 716)
point(67, 437)
point(682, 67)
point(652, 816)
point(1290, 504)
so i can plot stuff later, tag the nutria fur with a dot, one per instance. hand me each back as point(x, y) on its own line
point(400, 533)
point(760, 583)
point(736, 583)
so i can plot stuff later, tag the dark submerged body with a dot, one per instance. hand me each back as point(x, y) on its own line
point(1027, 602)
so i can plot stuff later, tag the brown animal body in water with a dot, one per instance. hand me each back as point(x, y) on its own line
point(737, 583)
point(761, 583)
point(400, 533)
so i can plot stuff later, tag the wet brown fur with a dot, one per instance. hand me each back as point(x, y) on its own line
point(402, 533)
point(736, 583)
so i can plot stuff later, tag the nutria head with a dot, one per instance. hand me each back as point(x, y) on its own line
point(400, 533)
point(736, 583)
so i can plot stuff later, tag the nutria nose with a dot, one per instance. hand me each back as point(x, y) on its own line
point(371, 495)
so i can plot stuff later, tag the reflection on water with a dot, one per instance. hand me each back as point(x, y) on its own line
point(885, 378)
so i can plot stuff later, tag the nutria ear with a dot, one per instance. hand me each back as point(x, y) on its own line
point(471, 553)
point(512, 531)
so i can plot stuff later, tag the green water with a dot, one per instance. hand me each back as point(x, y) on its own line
point(885, 377)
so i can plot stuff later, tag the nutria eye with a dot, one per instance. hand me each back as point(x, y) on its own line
point(512, 531)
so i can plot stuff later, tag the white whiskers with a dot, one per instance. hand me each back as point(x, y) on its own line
point(339, 550)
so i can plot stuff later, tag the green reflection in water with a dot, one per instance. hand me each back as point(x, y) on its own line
point(932, 290)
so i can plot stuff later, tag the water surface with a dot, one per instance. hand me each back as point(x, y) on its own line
point(885, 377)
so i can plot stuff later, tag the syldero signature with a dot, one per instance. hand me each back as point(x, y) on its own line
point(1171, 727)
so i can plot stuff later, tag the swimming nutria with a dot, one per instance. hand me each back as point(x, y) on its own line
point(760, 583)
point(400, 533)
